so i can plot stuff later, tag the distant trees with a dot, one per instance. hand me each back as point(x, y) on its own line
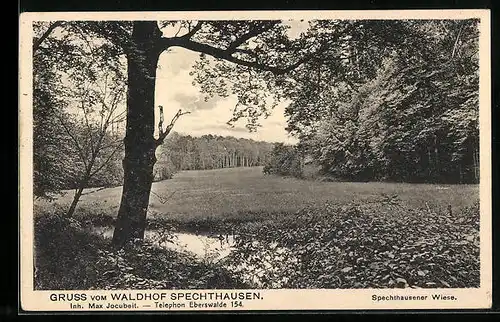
point(185, 152)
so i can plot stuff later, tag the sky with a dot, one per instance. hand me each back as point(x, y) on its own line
point(174, 91)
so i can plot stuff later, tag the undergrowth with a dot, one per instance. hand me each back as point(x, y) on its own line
point(68, 257)
point(384, 244)
point(363, 246)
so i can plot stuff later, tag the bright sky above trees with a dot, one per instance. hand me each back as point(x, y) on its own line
point(175, 91)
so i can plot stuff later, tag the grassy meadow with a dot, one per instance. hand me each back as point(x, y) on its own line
point(238, 193)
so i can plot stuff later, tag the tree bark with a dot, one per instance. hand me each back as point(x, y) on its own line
point(79, 191)
point(76, 198)
point(139, 143)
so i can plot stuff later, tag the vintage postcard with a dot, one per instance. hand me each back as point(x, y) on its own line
point(255, 160)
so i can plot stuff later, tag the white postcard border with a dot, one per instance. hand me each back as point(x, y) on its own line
point(282, 299)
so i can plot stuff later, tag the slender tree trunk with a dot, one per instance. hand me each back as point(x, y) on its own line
point(139, 142)
point(81, 185)
point(76, 198)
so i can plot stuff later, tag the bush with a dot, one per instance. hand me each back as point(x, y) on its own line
point(285, 160)
point(65, 255)
point(163, 171)
point(378, 245)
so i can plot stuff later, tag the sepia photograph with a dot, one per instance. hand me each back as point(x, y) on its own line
point(201, 161)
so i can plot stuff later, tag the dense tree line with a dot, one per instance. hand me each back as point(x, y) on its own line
point(408, 112)
point(185, 152)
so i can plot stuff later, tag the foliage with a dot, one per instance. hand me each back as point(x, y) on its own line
point(163, 171)
point(379, 245)
point(335, 72)
point(50, 173)
point(65, 256)
point(285, 160)
point(78, 91)
point(414, 120)
point(293, 68)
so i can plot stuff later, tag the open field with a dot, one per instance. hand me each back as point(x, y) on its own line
point(227, 193)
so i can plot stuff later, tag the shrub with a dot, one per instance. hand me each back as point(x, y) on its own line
point(163, 171)
point(378, 245)
point(65, 255)
point(285, 160)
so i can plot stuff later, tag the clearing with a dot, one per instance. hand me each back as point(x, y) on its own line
point(236, 192)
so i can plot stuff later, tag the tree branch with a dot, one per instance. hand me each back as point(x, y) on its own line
point(247, 52)
point(191, 32)
point(93, 173)
point(119, 118)
point(252, 33)
point(39, 41)
point(89, 128)
point(75, 140)
point(113, 31)
point(227, 55)
point(163, 133)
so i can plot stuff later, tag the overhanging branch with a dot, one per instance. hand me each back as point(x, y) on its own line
point(191, 32)
point(39, 41)
point(252, 33)
point(227, 55)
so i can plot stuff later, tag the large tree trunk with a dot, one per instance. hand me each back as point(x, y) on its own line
point(139, 141)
